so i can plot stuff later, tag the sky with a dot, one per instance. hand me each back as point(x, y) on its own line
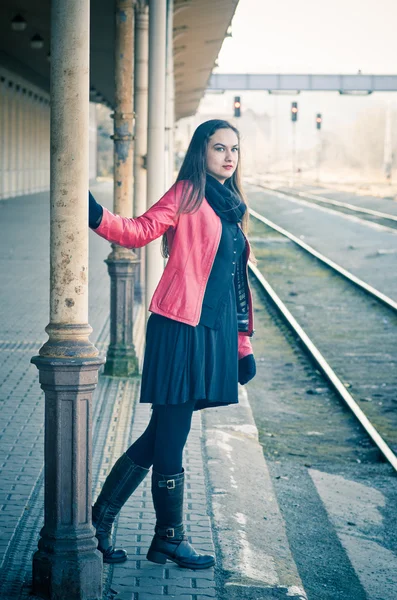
point(309, 36)
point(312, 36)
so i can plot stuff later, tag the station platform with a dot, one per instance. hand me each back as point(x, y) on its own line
point(231, 507)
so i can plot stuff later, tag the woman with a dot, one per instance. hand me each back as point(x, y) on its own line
point(197, 339)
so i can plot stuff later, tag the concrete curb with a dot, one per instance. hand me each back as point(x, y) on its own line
point(249, 529)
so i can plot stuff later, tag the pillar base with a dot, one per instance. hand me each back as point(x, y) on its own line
point(68, 340)
point(61, 575)
point(67, 564)
point(121, 359)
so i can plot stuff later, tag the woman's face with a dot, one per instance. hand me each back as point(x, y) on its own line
point(222, 154)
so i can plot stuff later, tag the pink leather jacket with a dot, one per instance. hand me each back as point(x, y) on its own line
point(193, 240)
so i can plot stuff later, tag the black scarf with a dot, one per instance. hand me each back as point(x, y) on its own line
point(223, 201)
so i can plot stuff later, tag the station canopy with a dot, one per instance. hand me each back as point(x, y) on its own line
point(200, 27)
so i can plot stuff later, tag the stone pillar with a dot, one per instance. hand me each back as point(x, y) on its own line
point(140, 109)
point(3, 136)
point(30, 143)
point(13, 140)
point(47, 148)
point(21, 144)
point(19, 140)
point(35, 143)
point(93, 142)
point(9, 129)
point(67, 565)
point(170, 100)
point(121, 360)
point(8, 132)
point(19, 122)
point(156, 131)
point(41, 142)
point(25, 141)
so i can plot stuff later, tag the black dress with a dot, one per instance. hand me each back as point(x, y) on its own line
point(183, 363)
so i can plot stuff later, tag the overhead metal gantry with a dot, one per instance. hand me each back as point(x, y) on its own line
point(276, 82)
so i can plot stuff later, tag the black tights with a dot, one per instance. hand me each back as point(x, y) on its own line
point(163, 440)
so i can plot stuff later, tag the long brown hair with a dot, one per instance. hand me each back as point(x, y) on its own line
point(194, 171)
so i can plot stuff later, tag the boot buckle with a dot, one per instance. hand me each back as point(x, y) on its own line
point(170, 532)
point(170, 484)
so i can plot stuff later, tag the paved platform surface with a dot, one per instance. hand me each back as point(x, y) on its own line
point(24, 269)
point(118, 419)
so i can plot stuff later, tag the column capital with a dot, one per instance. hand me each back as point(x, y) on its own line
point(141, 5)
point(126, 3)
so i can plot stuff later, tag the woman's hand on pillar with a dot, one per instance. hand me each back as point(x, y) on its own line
point(95, 212)
point(246, 369)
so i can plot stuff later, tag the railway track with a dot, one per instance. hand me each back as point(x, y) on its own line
point(347, 327)
point(364, 213)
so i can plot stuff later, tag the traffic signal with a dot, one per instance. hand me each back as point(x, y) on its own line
point(319, 120)
point(237, 106)
point(294, 112)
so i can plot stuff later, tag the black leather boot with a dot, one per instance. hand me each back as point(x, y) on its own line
point(121, 482)
point(170, 540)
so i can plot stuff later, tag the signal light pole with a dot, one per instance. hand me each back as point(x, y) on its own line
point(294, 119)
point(237, 106)
point(319, 120)
point(388, 149)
